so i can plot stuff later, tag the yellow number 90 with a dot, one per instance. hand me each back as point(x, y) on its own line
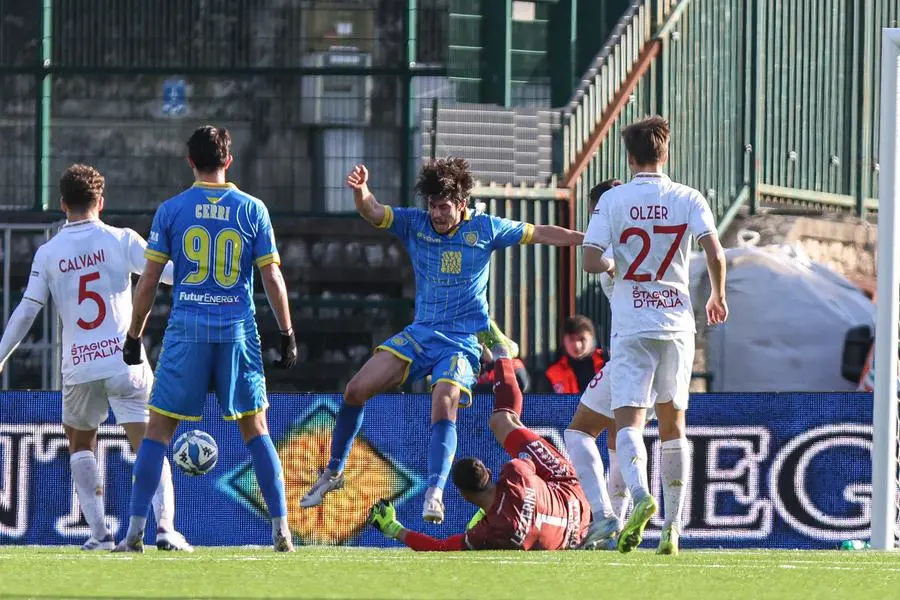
point(226, 256)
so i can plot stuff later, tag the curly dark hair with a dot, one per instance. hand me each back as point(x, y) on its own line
point(446, 178)
point(209, 148)
point(81, 187)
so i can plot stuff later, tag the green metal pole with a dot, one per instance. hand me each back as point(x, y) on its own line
point(43, 92)
point(409, 106)
point(755, 57)
point(496, 34)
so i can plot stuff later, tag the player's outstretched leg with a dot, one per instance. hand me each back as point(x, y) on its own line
point(630, 445)
point(88, 487)
point(384, 371)
point(441, 448)
point(146, 474)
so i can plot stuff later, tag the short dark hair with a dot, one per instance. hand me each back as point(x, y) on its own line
point(209, 148)
point(600, 189)
point(470, 475)
point(81, 187)
point(579, 324)
point(446, 178)
point(647, 140)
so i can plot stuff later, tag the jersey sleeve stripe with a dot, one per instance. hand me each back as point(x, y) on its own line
point(527, 234)
point(597, 246)
point(388, 219)
point(38, 302)
point(268, 259)
point(703, 235)
point(156, 256)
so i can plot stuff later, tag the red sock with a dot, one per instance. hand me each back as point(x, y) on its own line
point(507, 395)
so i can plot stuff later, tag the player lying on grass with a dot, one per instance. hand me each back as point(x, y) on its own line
point(86, 268)
point(536, 502)
point(450, 248)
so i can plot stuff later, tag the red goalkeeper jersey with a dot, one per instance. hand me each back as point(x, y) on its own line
point(539, 503)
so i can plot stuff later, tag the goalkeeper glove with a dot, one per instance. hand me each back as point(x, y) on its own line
point(383, 517)
point(476, 518)
point(131, 350)
point(288, 350)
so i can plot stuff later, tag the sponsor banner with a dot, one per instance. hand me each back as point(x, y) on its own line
point(769, 470)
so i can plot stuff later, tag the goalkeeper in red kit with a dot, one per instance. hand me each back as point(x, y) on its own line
point(536, 502)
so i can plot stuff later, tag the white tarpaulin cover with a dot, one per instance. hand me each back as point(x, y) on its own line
point(787, 322)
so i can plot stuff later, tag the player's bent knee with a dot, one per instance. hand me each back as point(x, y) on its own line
point(444, 401)
point(253, 426)
point(589, 422)
point(161, 428)
point(81, 440)
point(355, 394)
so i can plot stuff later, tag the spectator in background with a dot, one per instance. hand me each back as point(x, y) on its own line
point(581, 360)
point(485, 384)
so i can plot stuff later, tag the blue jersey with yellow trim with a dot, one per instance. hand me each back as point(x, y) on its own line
point(452, 269)
point(213, 234)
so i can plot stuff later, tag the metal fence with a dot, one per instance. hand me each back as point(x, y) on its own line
point(307, 87)
point(770, 103)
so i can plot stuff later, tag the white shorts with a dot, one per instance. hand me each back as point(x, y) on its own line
point(598, 395)
point(650, 371)
point(86, 405)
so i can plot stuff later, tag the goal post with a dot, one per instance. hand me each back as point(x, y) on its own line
point(884, 414)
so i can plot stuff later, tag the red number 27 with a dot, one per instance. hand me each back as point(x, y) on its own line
point(86, 294)
point(677, 230)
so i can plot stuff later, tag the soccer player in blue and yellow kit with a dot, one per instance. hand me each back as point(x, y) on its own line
point(213, 233)
point(450, 247)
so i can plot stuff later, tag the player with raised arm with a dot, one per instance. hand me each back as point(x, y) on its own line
point(648, 222)
point(450, 248)
point(214, 234)
point(536, 503)
point(86, 268)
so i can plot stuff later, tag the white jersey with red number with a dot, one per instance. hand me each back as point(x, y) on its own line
point(87, 269)
point(648, 222)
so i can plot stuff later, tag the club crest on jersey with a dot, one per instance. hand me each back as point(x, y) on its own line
point(398, 340)
point(471, 237)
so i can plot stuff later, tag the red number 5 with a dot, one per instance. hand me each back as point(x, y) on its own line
point(85, 294)
point(677, 230)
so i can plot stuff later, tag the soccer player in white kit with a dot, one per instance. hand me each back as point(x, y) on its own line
point(648, 222)
point(87, 269)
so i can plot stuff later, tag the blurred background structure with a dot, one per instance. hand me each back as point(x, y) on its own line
point(773, 107)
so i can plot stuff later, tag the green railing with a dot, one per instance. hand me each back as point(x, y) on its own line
point(307, 89)
point(770, 103)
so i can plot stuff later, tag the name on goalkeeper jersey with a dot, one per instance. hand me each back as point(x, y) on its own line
point(207, 298)
point(85, 353)
point(659, 299)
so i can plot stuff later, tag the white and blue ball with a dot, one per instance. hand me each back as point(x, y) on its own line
point(196, 452)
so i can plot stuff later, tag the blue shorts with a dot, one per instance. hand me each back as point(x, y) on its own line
point(186, 371)
point(450, 357)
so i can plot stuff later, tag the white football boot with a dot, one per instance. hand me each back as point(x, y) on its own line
point(433, 510)
point(106, 544)
point(326, 482)
point(172, 541)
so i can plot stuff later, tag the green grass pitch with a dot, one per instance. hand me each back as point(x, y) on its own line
point(49, 572)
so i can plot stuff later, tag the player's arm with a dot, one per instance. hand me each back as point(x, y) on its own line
point(383, 517)
point(144, 296)
point(596, 240)
point(553, 235)
point(20, 321)
point(366, 204)
point(703, 228)
point(276, 293)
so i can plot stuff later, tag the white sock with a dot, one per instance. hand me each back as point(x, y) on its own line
point(280, 526)
point(585, 456)
point(618, 491)
point(633, 465)
point(163, 500)
point(434, 492)
point(674, 460)
point(89, 489)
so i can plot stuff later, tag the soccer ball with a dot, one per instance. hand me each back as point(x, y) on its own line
point(196, 452)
